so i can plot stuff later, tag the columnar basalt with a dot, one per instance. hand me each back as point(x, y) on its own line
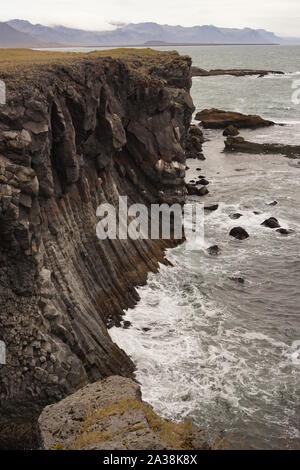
point(73, 136)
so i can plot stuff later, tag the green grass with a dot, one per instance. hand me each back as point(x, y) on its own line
point(176, 435)
point(10, 58)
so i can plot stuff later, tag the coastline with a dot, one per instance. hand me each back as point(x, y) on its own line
point(73, 134)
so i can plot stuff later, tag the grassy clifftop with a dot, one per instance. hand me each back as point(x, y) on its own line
point(11, 58)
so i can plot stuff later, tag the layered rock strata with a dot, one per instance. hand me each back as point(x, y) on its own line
point(74, 136)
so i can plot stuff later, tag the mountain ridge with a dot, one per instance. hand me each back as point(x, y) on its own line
point(132, 34)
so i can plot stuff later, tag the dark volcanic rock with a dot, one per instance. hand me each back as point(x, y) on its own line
point(231, 131)
point(271, 223)
point(212, 208)
point(235, 216)
point(203, 182)
point(213, 250)
point(198, 72)
point(194, 143)
point(284, 231)
point(238, 280)
point(218, 119)
point(75, 135)
point(239, 144)
point(195, 191)
point(239, 233)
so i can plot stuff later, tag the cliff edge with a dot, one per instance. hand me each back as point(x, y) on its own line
point(78, 131)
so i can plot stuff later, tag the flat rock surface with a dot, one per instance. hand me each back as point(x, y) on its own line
point(219, 119)
point(110, 415)
point(198, 72)
point(239, 144)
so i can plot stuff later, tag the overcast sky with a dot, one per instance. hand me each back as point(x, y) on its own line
point(280, 16)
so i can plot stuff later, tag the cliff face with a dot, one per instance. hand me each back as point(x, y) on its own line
point(74, 136)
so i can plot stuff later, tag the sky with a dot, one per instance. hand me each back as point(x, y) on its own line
point(279, 16)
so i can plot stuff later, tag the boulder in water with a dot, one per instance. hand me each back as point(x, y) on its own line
point(212, 208)
point(271, 223)
point(218, 119)
point(239, 280)
point(239, 233)
point(284, 231)
point(235, 216)
point(194, 143)
point(213, 250)
point(195, 191)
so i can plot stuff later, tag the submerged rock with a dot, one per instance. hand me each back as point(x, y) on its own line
point(235, 216)
point(110, 415)
point(213, 250)
point(218, 119)
point(285, 231)
point(239, 233)
point(239, 280)
point(272, 222)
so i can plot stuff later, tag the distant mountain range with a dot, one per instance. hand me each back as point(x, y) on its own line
point(21, 33)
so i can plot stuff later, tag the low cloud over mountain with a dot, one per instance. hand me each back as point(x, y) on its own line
point(20, 33)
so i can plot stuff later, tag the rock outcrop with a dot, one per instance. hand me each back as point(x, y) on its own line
point(110, 415)
point(74, 135)
point(239, 233)
point(218, 119)
point(194, 143)
point(198, 72)
point(272, 222)
point(231, 131)
point(239, 144)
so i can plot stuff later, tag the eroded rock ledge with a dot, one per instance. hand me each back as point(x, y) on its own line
point(110, 415)
point(74, 135)
point(198, 72)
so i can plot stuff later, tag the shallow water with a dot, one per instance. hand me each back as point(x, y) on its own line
point(224, 353)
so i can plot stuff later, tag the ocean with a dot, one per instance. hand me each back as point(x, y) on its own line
point(222, 353)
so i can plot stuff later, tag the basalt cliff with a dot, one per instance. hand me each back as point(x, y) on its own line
point(76, 132)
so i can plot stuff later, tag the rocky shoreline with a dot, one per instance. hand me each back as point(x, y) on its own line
point(239, 144)
point(75, 134)
point(198, 72)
